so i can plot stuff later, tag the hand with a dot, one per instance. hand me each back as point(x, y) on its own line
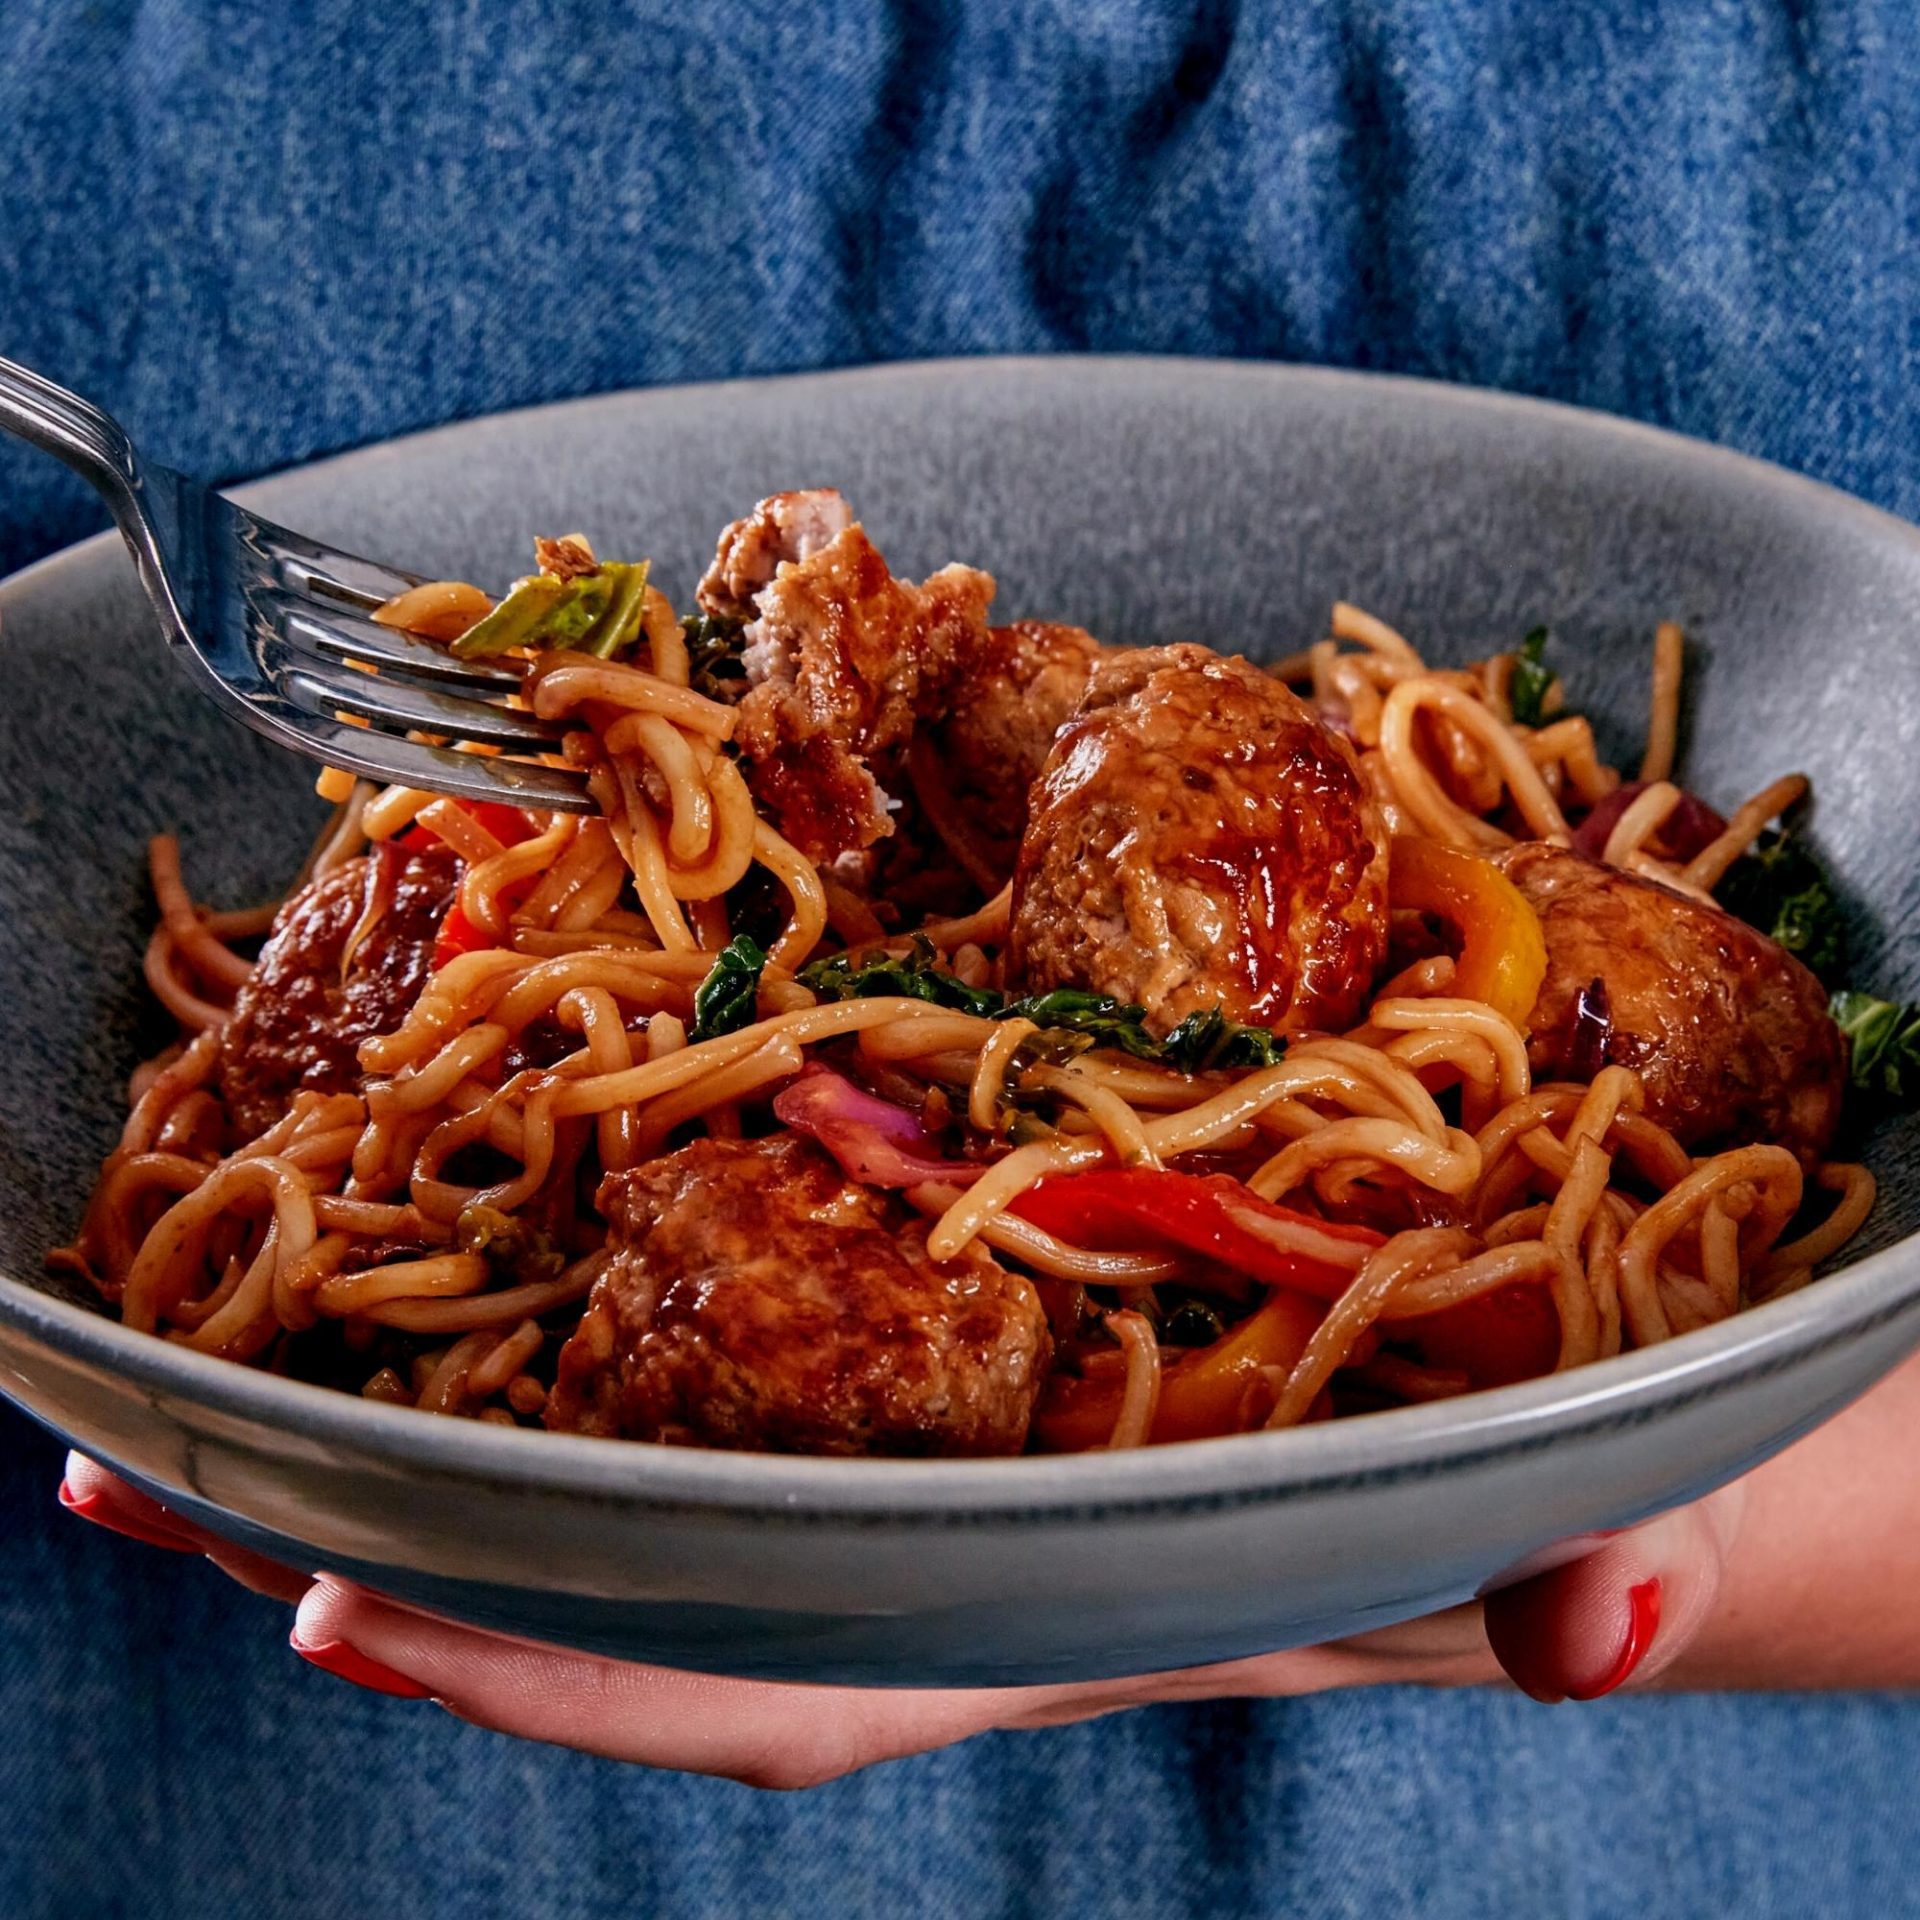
point(1624, 1607)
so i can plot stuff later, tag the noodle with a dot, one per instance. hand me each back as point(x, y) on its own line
point(445, 1216)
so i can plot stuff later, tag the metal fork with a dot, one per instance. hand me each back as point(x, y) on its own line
point(274, 626)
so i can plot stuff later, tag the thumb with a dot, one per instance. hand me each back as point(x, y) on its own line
point(1624, 1612)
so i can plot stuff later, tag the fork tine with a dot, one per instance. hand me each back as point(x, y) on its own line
point(344, 636)
point(306, 568)
point(413, 763)
point(398, 707)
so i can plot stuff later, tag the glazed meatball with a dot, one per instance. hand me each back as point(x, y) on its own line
point(841, 660)
point(758, 1299)
point(1729, 1033)
point(782, 527)
point(1001, 720)
point(299, 1020)
point(1199, 839)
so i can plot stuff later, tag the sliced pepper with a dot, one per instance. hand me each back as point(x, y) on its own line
point(1503, 955)
point(1495, 1339)
point(1150, 1209)
point(1201, 1394)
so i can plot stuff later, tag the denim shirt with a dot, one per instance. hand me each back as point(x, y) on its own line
point(265, 233)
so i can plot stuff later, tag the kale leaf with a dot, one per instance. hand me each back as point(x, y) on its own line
point(1886, 1046)
point(911, 975)
point(1532, 680)
point(726, 1000)
point(1780, 888)
point(715, 642)
point(1070, 1019)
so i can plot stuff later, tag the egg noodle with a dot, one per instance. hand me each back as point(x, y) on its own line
point(349, 1210)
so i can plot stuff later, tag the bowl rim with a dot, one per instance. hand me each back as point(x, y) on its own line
point(1414, 1442)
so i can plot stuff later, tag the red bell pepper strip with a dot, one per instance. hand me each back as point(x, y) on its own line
point(457, 933)
point(1512, 1333)
point(1153, 1209)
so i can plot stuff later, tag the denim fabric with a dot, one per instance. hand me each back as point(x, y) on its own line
point(260, 234)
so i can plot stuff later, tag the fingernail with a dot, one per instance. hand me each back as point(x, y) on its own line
point(347, 1662)
point(103, 1513)
point(1643, 1622)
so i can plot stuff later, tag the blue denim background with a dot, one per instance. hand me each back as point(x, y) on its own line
point(261, 234)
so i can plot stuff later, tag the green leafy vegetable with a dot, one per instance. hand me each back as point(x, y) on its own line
point(1885, 1040)
point(1532, 680)
point(1203, 1041)
point(715, 642)
point(597, 613)
point(512, 1244)
point(1781, 888)
point(1070, 1019)
point(725, 1001)
point(913, 976)
point(1106, 1021)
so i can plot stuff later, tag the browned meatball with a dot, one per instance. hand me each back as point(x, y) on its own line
point(1001, 720)
point(1199, 839)
point(841, 659)
point(298, 1021)
point(1728, 1031)
point(758, 1299)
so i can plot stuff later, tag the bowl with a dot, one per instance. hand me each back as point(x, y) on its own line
point(1152, 501)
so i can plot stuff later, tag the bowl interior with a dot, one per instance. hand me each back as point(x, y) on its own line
point(1151, 501)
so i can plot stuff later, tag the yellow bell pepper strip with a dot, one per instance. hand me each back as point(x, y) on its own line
point(1201, 1394)
point(1503, 955)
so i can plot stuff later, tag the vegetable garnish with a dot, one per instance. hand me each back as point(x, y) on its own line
point(912, 976)
point(1885, 1039)
point(874, 1140)
point(1200, 1043)
point(1691, 825)
point(1532, 680)
point(1782, 889)
point(597, 612)
point(1503, 954)
point(727, 999)
point(715, 642)
point(1150, 1209)
point(1201, 1393)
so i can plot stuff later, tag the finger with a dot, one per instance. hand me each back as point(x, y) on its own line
point(760, 1732)
point(1623, 1613)
point(90, 1492)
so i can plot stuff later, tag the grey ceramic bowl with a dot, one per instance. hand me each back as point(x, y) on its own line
point(1154, 501)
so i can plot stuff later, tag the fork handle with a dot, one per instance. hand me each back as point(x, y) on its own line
point(91, 442)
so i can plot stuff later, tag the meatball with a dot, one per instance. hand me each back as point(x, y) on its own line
point(1728, 1032)
point(784, 526)
point(1001, 719)
point(1200, 839)
point(299, 1020)
point(758, 1299)
point(841, 660)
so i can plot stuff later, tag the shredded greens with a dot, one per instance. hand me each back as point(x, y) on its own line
point(1070, 1019)
point(1780, 888)
point(726, 1000)
point(597, 613)
point(1885, 1040)
point(512, 1244)
point(1532, 680)
point(912, 975)
point(715, 642)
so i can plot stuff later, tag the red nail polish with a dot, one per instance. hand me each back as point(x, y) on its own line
point(103, 1513)
point(1643, 1622)
point(349, 1663)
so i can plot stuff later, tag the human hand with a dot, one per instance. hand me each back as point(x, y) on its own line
point(1621, 1607)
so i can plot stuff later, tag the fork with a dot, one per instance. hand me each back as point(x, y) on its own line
point(275, 627)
